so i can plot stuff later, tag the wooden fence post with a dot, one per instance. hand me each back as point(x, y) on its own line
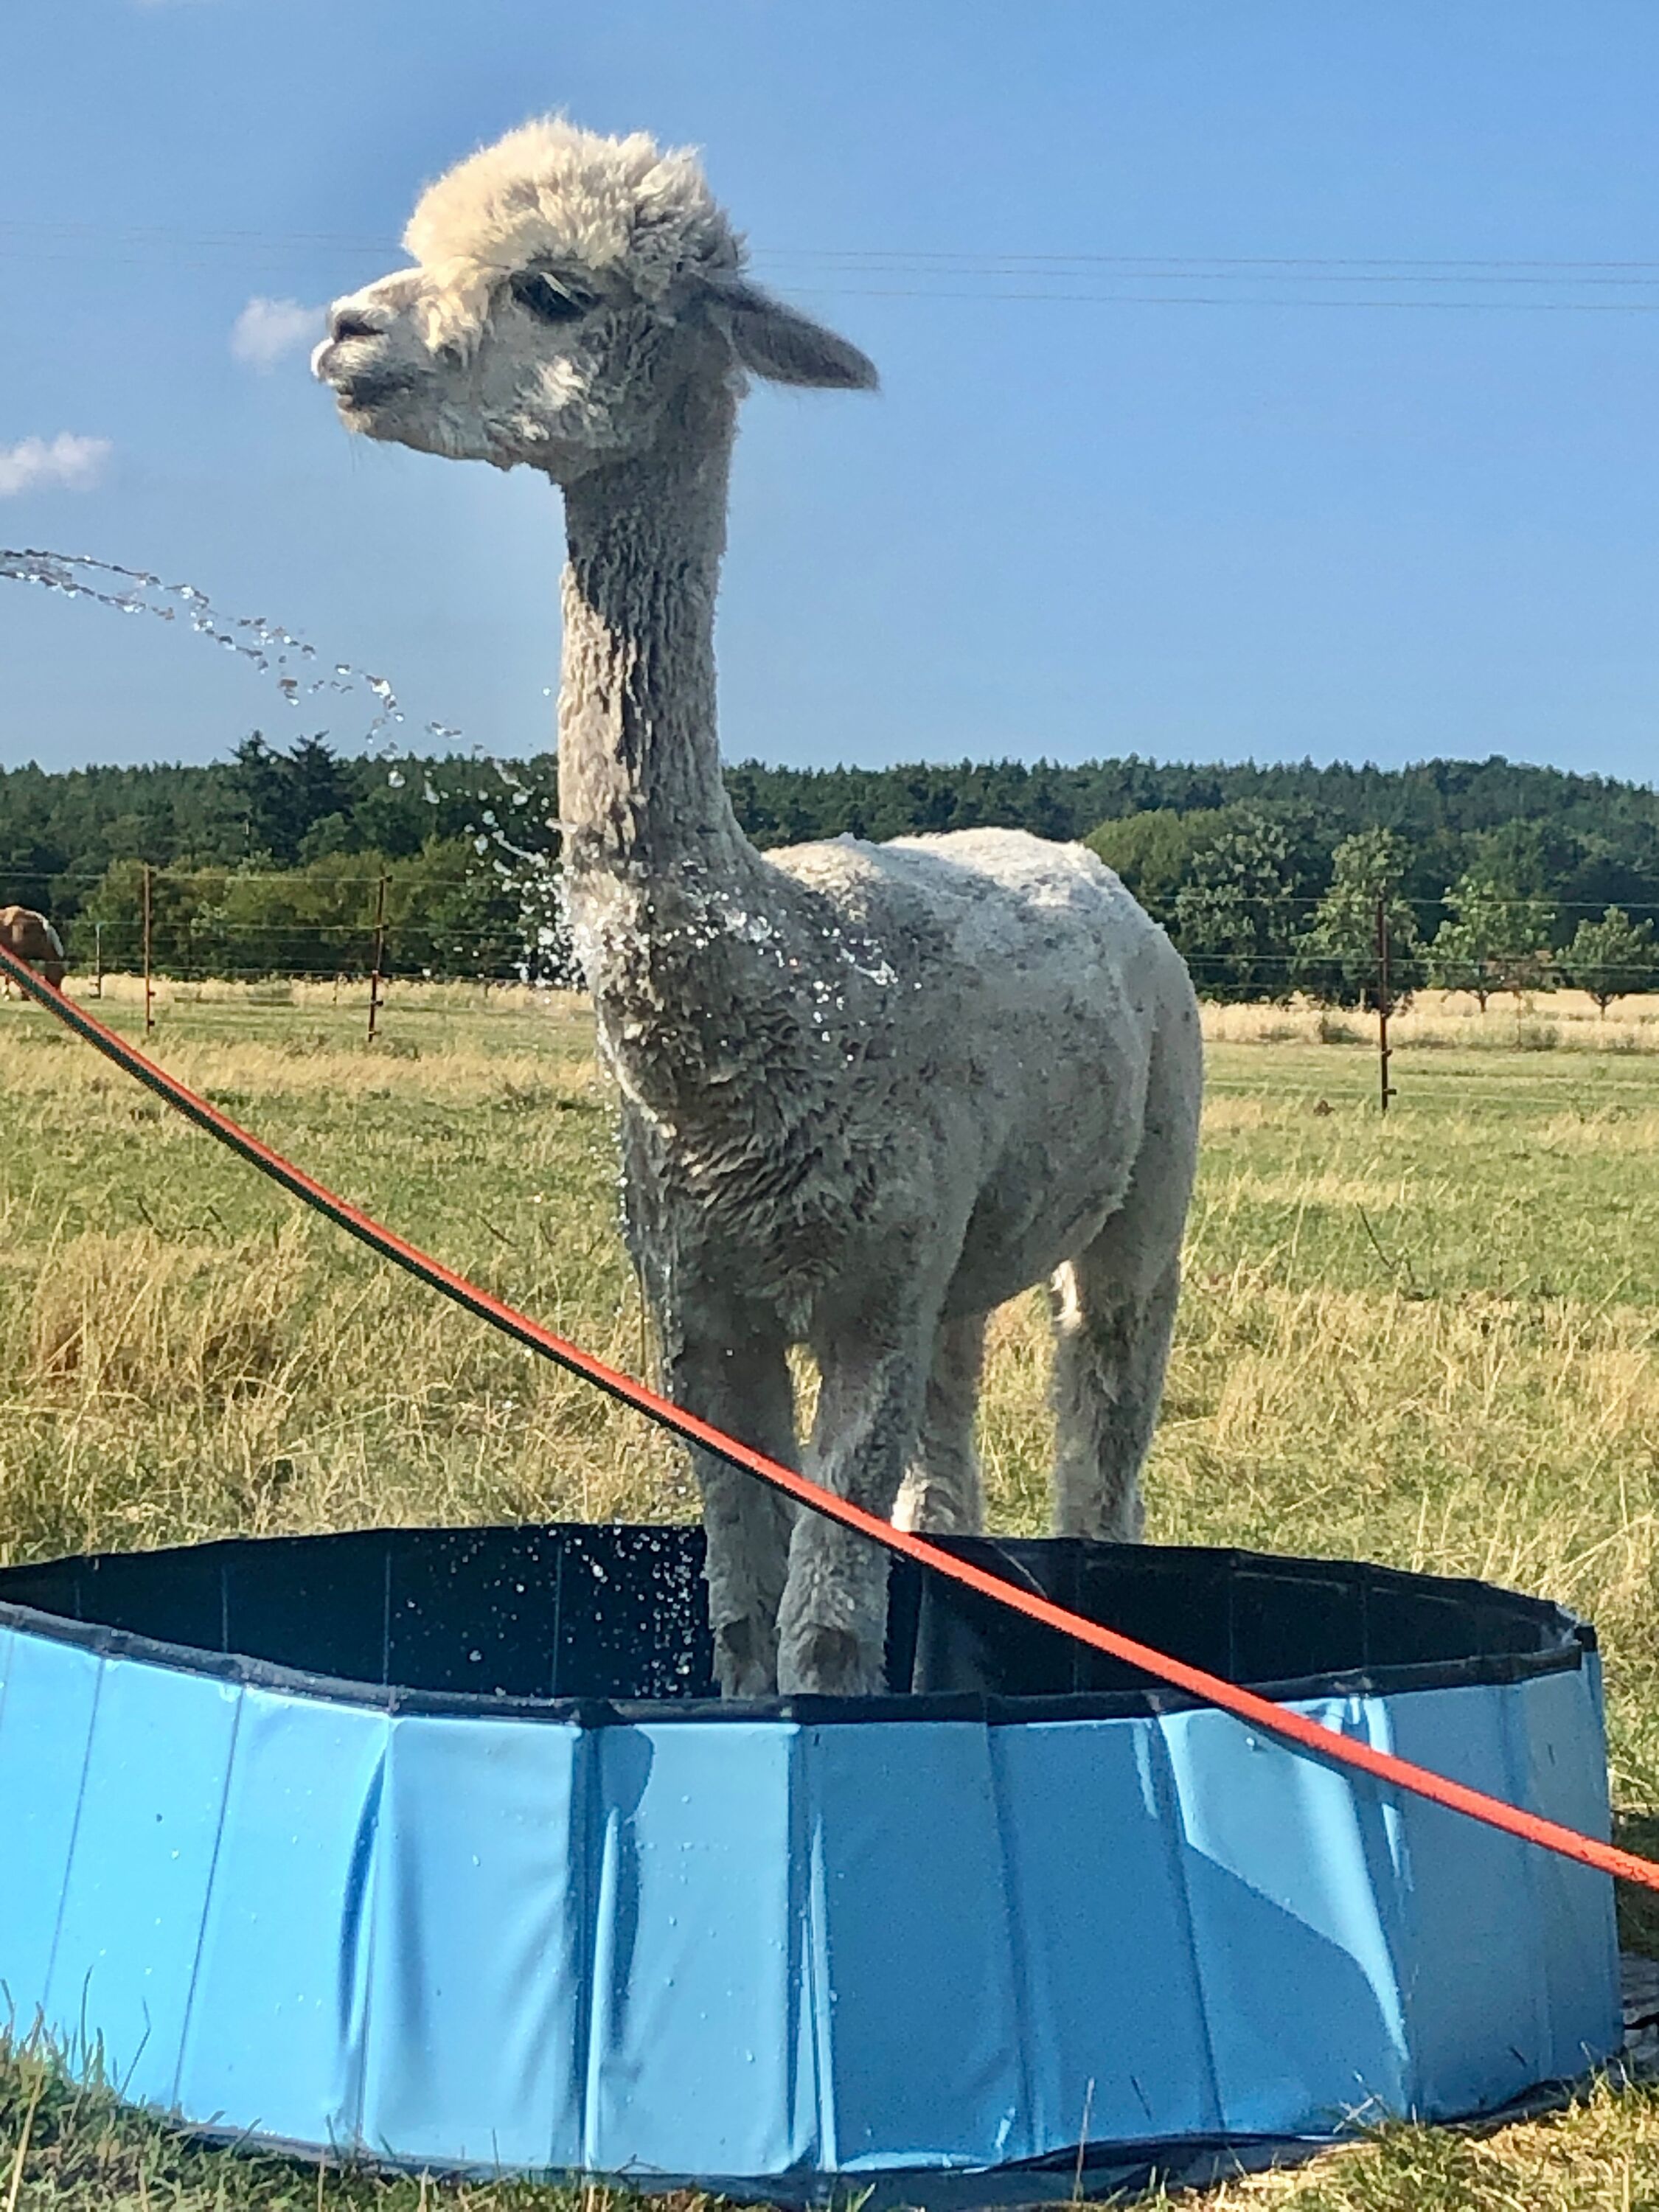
point(150, 991)
point(374, 978)
point(1385, 1089)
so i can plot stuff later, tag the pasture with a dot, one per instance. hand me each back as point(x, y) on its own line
point(1428, 1339)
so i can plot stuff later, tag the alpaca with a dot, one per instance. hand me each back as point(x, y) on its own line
point(868, 1092)
point(31, 937)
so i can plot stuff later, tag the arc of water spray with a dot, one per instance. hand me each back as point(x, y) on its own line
point(274, 651)
point(298, 673)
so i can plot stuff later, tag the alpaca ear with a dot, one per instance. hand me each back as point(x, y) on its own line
point(773, 341)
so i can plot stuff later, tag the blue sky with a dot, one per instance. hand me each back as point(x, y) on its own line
point(1089, 511)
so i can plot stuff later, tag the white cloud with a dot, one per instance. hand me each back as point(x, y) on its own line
point(75, 463)
point(267, 329)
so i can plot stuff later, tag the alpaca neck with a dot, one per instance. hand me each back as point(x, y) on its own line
point(640, 791)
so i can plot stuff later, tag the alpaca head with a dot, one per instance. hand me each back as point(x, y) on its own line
point(567, 290)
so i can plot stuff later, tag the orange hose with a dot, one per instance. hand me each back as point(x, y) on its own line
point(1278, 1721)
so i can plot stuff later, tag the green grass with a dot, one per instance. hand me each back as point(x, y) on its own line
point(1429, 1340)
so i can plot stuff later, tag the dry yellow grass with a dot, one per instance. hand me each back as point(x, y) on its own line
point(1602, 2156)
point(1540, 1021)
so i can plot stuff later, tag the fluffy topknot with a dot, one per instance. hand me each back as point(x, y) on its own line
point(551, 191)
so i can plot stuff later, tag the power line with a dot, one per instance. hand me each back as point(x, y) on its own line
point(989, 273)
point(1193, 261)
point(978, 258)
point(1238, 300)
point(1151, 268)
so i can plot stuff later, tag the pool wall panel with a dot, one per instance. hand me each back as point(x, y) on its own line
point(1107, 1989)
point(915, 1938)
point(1561, 1770)
point(275, 2038)
point(695, 2058)
point(1297, 1978)
point(1478, 1950)
point(46, 1731)
point(477, 1972)
point(143, 1865)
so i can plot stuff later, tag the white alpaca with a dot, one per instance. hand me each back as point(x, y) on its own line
point(869, 1092)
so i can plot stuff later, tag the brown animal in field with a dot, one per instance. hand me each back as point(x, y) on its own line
point(31, 937)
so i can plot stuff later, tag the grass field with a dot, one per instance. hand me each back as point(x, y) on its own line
point(1431, 1341)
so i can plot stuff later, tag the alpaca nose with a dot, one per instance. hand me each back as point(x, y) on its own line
point(350, 318)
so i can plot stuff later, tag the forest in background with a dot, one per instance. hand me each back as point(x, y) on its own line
point(1268, 877)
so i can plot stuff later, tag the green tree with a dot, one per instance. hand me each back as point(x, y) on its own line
point(263, 795)
point(315, 921)
point(1337, 957)
point(1493, 939)
point(1154, 851)
point(115, 908)
point(1612, 958)
point(1235, 918)
point(284, 796)
point(449, 912)
point(319, 783)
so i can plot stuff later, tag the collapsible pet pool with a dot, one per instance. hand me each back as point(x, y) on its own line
point(432, 1845)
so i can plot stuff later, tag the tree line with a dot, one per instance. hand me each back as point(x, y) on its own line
point(1262, 911)
point(1268, 876)
point(293, 862)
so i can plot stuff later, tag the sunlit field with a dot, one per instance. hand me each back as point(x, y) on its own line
point(1428, 1340)
point(1437, 1021)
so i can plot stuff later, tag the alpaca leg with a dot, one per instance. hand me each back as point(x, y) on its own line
point(941, 1492)
point(746, 1390)
point(832, 1626)
point(1114, 1308)
point(1111, 1346)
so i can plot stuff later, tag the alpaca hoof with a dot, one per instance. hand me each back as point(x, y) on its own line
point(829, 1663)
point(746, 1660)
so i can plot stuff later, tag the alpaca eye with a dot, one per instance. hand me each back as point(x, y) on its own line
point(546, 298)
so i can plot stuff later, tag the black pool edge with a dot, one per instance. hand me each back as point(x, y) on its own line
point(1574, 1639)
point(1080, 2172)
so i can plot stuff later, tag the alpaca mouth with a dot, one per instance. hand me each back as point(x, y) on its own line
point(359, 386)
point(364, 390)
point(368, 404)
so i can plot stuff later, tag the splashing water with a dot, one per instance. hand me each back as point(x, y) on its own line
point(294, 666)
point(290, 663)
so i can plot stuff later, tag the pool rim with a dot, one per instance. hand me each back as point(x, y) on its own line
point(1575, 1641)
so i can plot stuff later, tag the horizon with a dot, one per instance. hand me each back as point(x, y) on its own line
point(1261, 391)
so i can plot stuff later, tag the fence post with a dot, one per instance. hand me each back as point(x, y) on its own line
point(374, 978)
point(150, 994)
point(97, 959)
point(1385, 1089)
